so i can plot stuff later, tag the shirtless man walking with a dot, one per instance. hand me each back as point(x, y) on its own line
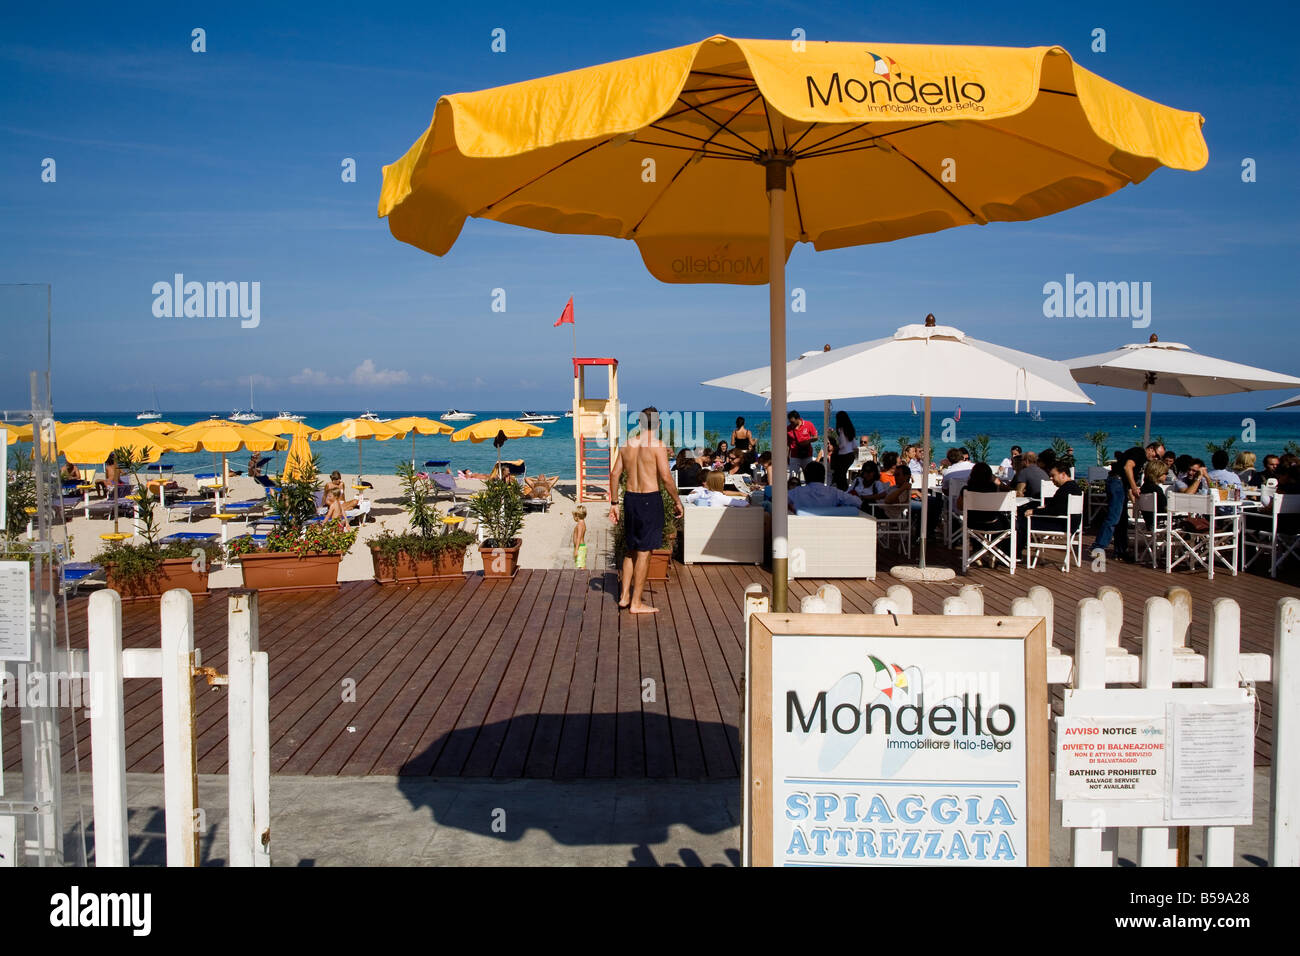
point(644, 460)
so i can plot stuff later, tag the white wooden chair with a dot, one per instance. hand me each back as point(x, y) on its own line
point(1149, 538)
point(1261, 534)
point(1044, 533)
point(1216, 545)
point(1097, 501)
point(988, 539)
point(894, 524)
point(952, 519)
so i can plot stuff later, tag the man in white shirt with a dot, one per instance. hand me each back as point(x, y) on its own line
point(817, 494)
point(1005, 470)
point(1219, 472)
point(959, 469)
point(914, 462)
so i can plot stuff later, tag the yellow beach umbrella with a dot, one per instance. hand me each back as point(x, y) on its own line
point(418, 425)
point(299, 457)
point(164, 428)
point(94, 445)
point(716, 157)
point(218, 435)
point(284, 426)
point(361, 430)
point(494, 428)
point(11, 433)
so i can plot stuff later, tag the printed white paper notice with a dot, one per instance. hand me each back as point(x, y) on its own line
point(1211, 760)
point(1110, 758)
point(15, 610)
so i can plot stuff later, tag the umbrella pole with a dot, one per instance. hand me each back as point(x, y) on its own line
point(358, 461)
point(925, 480)
point(776, 181)
point(1146, 429)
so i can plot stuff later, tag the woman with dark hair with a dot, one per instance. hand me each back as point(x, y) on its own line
point(981, 481)
point(846, 450)
point(722, 451)
point(742, 439)
point(868, 486)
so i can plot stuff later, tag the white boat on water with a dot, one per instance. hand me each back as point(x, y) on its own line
point(246, 414)
point(1035, 416)
point(532, 418)
point(150, 414)
point(455, 415)
point(290, 416)
point(369, 416)
point(569, 413)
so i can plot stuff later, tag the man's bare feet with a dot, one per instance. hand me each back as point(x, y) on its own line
point(644, 609)
point(623, 603)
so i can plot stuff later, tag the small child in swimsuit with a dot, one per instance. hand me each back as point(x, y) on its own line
point(580, 537)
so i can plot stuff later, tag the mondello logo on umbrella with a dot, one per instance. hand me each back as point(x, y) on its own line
point(888, 85)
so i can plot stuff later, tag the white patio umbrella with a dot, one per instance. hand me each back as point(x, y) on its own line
point(1293, 400)
point(934, 361)
point(1171, 368)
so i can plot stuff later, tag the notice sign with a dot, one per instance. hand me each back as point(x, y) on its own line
point(1110, 758)
point(1211, 760)
point(15, 611)
point(903, 744)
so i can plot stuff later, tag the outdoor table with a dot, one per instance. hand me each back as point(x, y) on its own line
point(86, 489)
point(160, 485)
point(115, 536)
point(224, 517)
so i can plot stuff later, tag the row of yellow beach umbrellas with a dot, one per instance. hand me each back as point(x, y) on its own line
point(90, 441)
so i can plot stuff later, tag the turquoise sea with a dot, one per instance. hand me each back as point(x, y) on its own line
point(1183, 432)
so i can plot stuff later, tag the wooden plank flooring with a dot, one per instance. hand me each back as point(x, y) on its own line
point(544, 677)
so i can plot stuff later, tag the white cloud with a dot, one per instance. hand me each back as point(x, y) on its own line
point(427, 379)
point(367, 374)
point(310, 376)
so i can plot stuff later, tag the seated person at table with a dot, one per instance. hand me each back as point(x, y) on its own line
point(1270, 470)
point(762, 467)
point(1192, 480)
point(817, 494)
point(888, 462)
point(868, 487)
point(1029, 479)
point(1058, 505)
point(735, 463)
point(1153, 480)
point(70, 473)
point(1219, 470)
point(1007, 469)
point(958, 468)
point(901, 492)
point(981, 481)
point(689, 474)
point(1244, 466)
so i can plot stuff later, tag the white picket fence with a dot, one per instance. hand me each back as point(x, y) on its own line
point(1166, 660)
point(176, 663)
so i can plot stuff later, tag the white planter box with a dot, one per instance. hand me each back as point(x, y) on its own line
point(730, 535)
point(826, 547)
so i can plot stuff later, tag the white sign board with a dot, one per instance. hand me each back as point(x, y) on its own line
point(1138, 757)
point(897, 749)
point(15, 611)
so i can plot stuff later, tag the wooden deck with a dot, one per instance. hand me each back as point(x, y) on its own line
point(543, 676)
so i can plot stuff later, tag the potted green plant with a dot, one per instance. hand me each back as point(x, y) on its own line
point(148, 568)
point(430, 550)
point(301, 553)
point(661, 558)
point(499, 508)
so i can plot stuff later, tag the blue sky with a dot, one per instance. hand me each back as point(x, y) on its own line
point(225, 165)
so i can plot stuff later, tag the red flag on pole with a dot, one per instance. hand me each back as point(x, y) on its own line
point(566, 315)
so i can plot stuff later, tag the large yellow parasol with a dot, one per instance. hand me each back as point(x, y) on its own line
point(497, 431)
point(361, 430)
point(716, 157)
point(218, 435)
point(284, 426)
point(418, 425)
point(93, 445)
point(299, 458)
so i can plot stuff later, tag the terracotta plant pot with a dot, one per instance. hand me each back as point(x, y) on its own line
point(290, 572)
point(172, 573)
point(661, 560)
point(447, 566)
point(500, 563)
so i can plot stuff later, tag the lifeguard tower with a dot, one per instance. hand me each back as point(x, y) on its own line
point(595, 430)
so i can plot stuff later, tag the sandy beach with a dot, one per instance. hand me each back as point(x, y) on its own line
point(546, 534)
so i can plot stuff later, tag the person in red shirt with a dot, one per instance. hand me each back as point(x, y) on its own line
point(799, 435)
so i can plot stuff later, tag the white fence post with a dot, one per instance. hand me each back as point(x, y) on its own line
point(108, 728)
point(1222, 669)
point(901, 595)
point(1091, 846)
point(956, 606)
point(884, 605)
point(1284, 797)
point(973, 595)
point(180, 760)
point(262, 758)
point(1112, 600)
point(1157, 846)
point(242, 617)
